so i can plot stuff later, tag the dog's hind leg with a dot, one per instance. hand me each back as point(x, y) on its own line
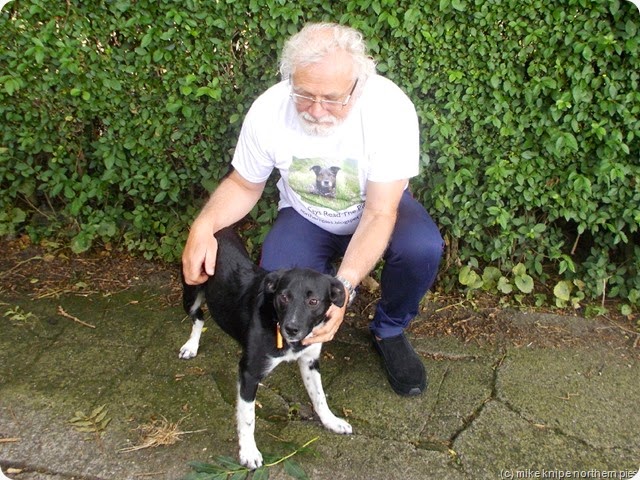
point(192, 299)
point(250, 456)
point(310, 371)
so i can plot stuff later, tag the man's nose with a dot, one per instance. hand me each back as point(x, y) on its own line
point(316, 110)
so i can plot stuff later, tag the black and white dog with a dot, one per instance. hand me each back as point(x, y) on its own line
point(260, 310)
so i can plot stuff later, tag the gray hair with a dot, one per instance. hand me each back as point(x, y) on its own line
point(310, 46)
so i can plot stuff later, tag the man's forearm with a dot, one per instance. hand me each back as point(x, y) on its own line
point(367, 246)
point(374, 231)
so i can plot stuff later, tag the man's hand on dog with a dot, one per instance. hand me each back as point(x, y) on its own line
point(327, 331)
point(199, 256)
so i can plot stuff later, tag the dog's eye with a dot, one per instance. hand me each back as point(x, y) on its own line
point(283, 298)
point(313, 302)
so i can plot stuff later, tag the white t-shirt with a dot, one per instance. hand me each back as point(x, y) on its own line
point(324, 178)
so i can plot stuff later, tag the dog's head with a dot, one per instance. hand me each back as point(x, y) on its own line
point(301, 298)
point(325, 178)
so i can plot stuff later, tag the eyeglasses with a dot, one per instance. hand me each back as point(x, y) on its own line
point(305, 102)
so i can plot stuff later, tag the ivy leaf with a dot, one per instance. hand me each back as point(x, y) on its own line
point(562, 290)
point(81, 242)
point(467, 276)
point(524, 283)
point(505, 286)
point(519, 270)
point(490, 277)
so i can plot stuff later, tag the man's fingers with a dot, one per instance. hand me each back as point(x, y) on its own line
point(210, 262)
point(196, 280)
point(199, 263)
point(327, 331)
point(318, 338)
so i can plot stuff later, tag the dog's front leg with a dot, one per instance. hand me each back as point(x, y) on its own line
point(309, 369)
point(250, 456)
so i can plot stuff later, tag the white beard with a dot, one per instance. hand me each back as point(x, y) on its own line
point(320, 127)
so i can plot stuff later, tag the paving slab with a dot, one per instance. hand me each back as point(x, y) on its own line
point(498, 409)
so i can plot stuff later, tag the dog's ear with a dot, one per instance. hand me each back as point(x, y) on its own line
point(271, 281)
point(334, 170)
point(316, 168)
point(338, 296)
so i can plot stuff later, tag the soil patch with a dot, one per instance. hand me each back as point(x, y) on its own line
point(49, 271)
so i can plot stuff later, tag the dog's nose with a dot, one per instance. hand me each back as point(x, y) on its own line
point(291, 331)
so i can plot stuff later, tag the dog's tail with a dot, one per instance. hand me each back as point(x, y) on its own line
point(192, 298)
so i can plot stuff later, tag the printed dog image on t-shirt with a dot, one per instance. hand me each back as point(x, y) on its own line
point(328, 183)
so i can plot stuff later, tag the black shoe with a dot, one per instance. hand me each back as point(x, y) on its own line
point(404, 368)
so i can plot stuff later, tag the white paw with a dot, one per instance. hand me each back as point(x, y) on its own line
point(338, 425)
point(189, 350)
point(250, 457)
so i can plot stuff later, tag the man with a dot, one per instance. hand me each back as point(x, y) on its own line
point(345, 142)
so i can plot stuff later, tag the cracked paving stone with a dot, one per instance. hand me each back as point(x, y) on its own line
point(588, 394)
point(501, 440)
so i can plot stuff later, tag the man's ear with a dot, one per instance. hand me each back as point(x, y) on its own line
point(337, 295)
point(271, 281)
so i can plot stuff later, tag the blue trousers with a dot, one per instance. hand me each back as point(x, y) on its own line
point(410, 262)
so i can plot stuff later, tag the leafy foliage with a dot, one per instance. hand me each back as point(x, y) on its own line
point(19, 316)
point(120, 116)
point(524, 172)
point(226, 468)
point(95, 422)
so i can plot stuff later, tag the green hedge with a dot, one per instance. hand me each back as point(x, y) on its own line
point(118, 117)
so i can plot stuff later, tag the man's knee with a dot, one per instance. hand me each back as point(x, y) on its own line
point(417, 246)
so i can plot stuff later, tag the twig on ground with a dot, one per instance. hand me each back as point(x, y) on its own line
point(64, 314)
point(19, 264)
point(453, 305)
point(624, 329)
